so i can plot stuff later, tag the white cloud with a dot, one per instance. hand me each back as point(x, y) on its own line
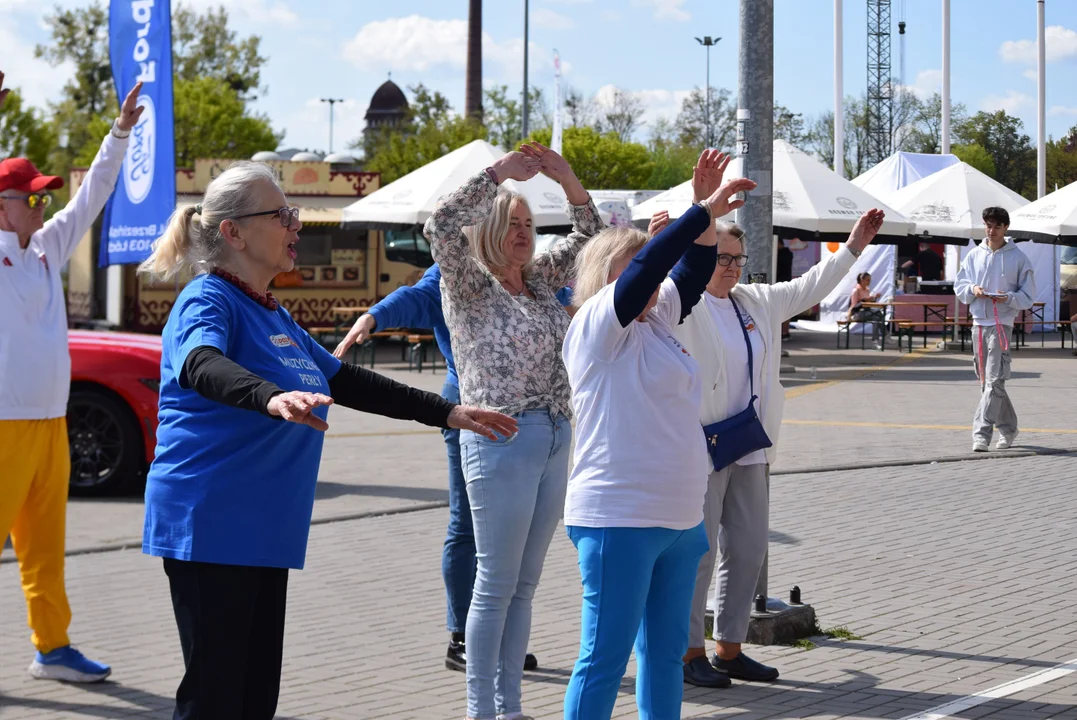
point(1012, 102)
point(251, 10)
point(926, 84)
point(1032, 75)
point(656, 103)
point(1061, 44)
point(611, 16)
point(417, 44)
point(1061, 110)
point(545, 18)
point(666, 9)
point(36, 80)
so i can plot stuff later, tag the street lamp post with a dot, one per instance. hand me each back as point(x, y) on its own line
point(708, 42)
point(527, 104)
point(332, 102)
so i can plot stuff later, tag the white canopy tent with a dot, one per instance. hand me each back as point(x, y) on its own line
point(1052, 218)
point(810, 201)
point(410, 200)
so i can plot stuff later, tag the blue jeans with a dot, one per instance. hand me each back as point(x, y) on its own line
point(633, 578)
point(458, 554)
point(516, 487)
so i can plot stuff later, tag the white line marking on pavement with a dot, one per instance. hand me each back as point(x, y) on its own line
point(1000, 691)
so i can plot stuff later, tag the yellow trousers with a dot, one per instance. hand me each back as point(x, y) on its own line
point(35, 468)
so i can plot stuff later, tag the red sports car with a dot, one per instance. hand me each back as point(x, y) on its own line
point(112, 413)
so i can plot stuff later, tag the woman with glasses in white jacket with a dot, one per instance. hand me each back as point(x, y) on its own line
point(733, 328)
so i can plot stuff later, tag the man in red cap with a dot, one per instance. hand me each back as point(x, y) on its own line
point(35, 377)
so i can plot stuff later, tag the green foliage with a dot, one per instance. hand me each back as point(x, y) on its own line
point(602, 161)
point(24, 132)
point(1062, 160)
point(841, 633)
point(204, 46)
point(430, 131)
point(1011, 150)
point(213, 121)
point(673, 160)
point(975, 155)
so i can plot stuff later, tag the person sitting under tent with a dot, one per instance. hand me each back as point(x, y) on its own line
point(926, 264)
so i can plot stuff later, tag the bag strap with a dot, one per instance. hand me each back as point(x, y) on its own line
point(748, 342)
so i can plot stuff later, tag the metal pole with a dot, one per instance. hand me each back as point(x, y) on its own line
point(332, 102)
point(707, 108)
point(1041, 112)
point(526, 99)
point(945, 77)
point(839, 94)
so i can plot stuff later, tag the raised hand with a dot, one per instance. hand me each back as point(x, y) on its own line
point(865, 230)
point(557, 169)
point(707, 174)
point(720, 202)
point(516, 166)
point(130, 110)
point(658, 222)
point(482, 422)
point(3, 92)
point(298, 407)
point(358, 334)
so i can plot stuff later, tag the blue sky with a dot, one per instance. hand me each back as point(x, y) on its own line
point(345, 49)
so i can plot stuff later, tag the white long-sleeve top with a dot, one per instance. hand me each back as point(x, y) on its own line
point(35, 364)
point(768, 306)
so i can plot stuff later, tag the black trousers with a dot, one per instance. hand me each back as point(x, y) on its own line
point(231, 628)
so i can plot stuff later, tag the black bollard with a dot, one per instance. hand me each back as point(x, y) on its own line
point(794, 596)
point(761, 603)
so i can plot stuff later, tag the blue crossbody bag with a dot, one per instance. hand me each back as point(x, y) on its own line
point(731, 439)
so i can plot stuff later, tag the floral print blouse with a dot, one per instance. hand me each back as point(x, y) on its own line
point(507, 348)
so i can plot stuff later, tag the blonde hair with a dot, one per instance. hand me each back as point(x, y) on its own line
point(595, 262)
point(197, 245)
point(487, 237)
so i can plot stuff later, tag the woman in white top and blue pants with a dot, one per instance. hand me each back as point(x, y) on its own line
point(736, 509)
point(634, 500)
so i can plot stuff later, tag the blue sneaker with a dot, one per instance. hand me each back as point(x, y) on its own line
point(68, 664)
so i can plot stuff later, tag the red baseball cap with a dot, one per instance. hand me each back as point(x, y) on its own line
point(20, 175)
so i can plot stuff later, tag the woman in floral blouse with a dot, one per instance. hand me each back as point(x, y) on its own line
point(507, 326)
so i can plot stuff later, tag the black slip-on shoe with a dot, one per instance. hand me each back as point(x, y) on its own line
point(700, 673)
point(456, 659)
point(530, 662)
point(744, 668)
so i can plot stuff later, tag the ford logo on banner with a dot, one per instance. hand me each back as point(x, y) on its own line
point(140, 50)
point(138, 163)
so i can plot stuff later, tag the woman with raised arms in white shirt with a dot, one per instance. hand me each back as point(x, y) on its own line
point(735, 335)
point(635, 497)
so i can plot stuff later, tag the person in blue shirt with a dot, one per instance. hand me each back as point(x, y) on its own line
point(230, 493)
point(419, 306)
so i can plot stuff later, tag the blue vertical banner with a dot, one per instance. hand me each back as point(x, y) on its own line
point(140, 49)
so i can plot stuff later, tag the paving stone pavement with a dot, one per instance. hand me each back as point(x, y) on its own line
point(959, 576)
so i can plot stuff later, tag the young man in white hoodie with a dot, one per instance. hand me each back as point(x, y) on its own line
point(996, 281)
point(35, 377)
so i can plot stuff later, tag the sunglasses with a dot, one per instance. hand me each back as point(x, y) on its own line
point(726, 260)
point(288, 215)
point(32, 201)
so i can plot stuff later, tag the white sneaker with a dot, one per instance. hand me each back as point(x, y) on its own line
point(980, 446)
point(1005, 443)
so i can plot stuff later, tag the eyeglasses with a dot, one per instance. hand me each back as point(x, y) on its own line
point(32, 201)
point(288, 215)
point(726, 260)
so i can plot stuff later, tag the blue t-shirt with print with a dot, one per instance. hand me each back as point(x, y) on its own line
point(234, 486)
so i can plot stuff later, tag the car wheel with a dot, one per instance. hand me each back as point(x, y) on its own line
point(106, 445)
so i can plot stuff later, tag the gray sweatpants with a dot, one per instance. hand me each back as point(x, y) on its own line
point(995, 408)
point(736, 515)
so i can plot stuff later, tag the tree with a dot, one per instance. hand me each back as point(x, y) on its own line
point(672, 160)
point(503, 117)
point(579, 111)
point(691, 122)
point(790, 127)
point(621, 116)
point(204, 46)
point(602, 161)
point(925, 135)
point(430, 131)
point(24, 132)
point(976, 156)
point(1000, 134)
point(1062, 160)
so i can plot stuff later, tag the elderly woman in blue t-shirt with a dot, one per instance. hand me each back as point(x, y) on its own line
point(230, 493)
